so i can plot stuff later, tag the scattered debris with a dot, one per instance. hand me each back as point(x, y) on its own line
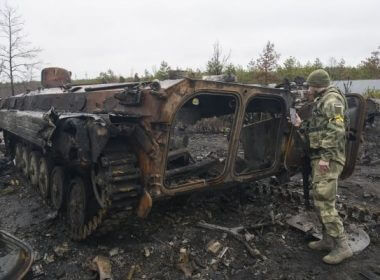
point(249, 236)
point(7, 190)
point(222, 253)
point(50, 217)
point(14, 182)
point(235, 232)
point(37, 270)
point(308, 222)
point(369, 275)
point(132, 271)
point(48, 258)
point(146, 252)
point(61, 250)
point(375, 162)
point(114, 252)
point(102, 266)
point(214, 246)
point(183, 264)
point(366, 195)
point(215, 262)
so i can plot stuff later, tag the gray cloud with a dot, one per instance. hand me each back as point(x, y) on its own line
point(90, 36)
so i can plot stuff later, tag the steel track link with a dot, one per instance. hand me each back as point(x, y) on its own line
point(83, 232)
point(109, 217)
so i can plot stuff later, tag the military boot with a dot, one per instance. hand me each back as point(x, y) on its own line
point(340, 252)
point(325, 244)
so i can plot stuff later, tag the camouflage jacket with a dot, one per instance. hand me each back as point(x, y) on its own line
point(325, 131)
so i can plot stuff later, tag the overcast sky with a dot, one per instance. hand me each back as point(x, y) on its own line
point(90, 36)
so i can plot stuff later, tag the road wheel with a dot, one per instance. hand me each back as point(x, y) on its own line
point(83, 212)
point(34, 168)
point(18, 156)
point(25, 161)
point(43, 177)
point(58, 187)
point(76, 206)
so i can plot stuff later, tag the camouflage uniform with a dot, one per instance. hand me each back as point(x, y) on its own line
point(325, 132)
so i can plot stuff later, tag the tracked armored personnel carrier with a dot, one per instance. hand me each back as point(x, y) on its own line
point(105, 151)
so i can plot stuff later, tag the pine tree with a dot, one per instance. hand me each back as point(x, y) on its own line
point(163, 71)
point(370, 67)
point(267, 63)
point(218, 62)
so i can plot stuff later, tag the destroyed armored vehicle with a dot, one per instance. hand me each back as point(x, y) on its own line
point(97, 152)
point(373, 109)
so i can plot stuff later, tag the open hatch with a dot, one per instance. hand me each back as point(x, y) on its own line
point(200, 139)
point(261, 136)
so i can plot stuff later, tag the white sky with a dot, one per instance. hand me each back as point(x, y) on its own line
point(91, 36)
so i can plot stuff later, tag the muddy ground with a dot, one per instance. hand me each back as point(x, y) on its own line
point(151, 247)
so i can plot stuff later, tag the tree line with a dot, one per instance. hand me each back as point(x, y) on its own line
point(265, 69)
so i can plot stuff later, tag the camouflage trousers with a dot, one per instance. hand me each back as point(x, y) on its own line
point(324, 194)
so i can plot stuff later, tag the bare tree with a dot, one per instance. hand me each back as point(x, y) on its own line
point(218, 62)
point(18, 57)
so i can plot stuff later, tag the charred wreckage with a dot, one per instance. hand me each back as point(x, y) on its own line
point(108, 150)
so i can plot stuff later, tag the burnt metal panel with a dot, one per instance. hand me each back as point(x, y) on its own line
point(16, 257)
point(357, 113)
point(81, 136)
point(70, 102)
point(36, 127)
point(55, 77)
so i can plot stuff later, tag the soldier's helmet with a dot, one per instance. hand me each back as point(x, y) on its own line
point(318, 78)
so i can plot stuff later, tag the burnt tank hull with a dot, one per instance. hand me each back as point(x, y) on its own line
point(98, 152)
point(76, 146)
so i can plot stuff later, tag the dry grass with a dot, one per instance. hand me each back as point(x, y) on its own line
point(372, 93)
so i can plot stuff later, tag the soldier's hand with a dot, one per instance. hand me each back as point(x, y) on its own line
point(323, 166)
point(295, 120)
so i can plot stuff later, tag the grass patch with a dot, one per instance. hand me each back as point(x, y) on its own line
point(372, 93)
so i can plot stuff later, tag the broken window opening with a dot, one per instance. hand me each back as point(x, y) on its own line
point(199, 139)
point(258, 142)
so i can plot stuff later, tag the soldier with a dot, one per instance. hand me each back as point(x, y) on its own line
point(325, 134)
